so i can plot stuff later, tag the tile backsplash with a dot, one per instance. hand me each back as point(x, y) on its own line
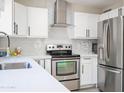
point(82, 46)
point(29, 46)
point(37, 47)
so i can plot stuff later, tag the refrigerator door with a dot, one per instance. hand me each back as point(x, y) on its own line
point(109, 79)
point(112, 43)
point(100, 42)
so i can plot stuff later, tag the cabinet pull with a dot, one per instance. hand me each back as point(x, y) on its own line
point(14, 27)
point(82, 68)
point(29, 30)
point(88, 32)
point(88, 58)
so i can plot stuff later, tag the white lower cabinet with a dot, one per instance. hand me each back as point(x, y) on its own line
point(88, 71)
point(86, 74)
point(41, 63)
point(45, 63)
point(94, 70)
point(48, 65)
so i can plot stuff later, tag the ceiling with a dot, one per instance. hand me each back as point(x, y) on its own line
point(96, 3)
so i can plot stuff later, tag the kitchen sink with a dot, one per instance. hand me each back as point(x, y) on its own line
point(21, 65)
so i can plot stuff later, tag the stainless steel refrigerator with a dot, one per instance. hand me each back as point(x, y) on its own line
point(110, 55)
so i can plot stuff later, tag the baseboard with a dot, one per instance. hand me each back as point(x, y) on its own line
point(88, 86)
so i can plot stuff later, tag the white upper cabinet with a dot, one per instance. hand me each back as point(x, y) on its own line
point(85, 25)
point(2, 5)
point(21, 21)
point(92, 25)
point(113, 13)
point(122, 8)
point(38, 22)
point(80, 22)
point(108, 15)
point(104, 16)
point(6, 17)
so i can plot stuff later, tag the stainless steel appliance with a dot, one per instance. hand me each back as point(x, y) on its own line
point(110, 55)
point(61, 13)
point(65, 65)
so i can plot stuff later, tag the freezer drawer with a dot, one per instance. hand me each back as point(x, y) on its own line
point(109, 79)
point(72, 85)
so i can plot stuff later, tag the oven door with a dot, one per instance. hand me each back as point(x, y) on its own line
point(65, 69)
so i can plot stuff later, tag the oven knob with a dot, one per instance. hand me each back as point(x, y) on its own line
point(66, 47)
point(49, 47)
point(69, 47)
point(53, 47)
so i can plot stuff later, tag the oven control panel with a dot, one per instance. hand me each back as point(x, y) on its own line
point(59, 47)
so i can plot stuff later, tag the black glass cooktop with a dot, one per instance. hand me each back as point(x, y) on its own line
point(65, 56)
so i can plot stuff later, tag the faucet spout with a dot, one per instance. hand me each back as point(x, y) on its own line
point(7, 38)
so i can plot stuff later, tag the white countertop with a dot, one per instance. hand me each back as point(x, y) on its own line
point(89, 55)
point(41, 57)
point(31, 80)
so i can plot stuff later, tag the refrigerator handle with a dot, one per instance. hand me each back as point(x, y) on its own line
point(106, 42)
point(110, 70)
point(113, 71)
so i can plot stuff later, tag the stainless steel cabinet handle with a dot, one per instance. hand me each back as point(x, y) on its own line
point(16, 29)
point(87, 58)
point(29, 30)
point(86, 32)
point(82, 68)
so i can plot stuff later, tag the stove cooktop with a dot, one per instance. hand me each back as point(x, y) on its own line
point(65, 56)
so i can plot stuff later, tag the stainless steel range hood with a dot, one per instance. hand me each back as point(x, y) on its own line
point(60, 14)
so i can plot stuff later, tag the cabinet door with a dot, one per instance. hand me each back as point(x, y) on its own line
point(38, 22)
point(104, 16)
point(41, 63)
point(48, 65)
point(80, 22)
point(21, 25)
point(122, 8)
point(113, 13)
point(6, 16)
point(94, 70)
point(86, 72)
point(92, 25)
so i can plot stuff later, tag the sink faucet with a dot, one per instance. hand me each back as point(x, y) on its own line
point(8, 48)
